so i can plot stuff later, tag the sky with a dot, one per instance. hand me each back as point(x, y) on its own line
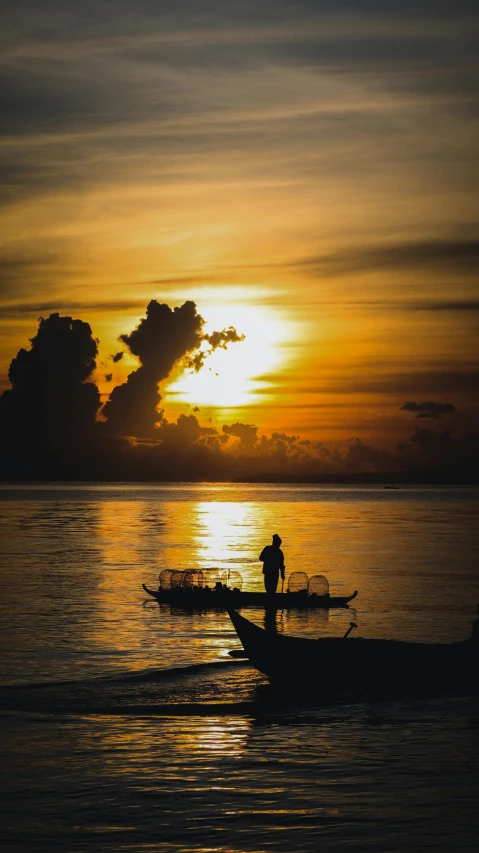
point(304, 173)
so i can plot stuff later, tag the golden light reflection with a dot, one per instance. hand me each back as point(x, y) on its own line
point(230, 377)
point(225, 536)
point(193, 739)
point(220, 736)
point(129, 536)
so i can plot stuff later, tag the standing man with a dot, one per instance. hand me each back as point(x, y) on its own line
point(273, 563)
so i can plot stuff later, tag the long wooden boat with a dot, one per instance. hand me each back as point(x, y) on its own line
point(205, 599)
point(367, 668)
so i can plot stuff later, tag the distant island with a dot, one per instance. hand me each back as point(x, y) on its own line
point(427, 476)
point(418, 477)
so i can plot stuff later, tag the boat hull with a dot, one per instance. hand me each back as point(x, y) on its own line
point(365, 668)
point(200, 599)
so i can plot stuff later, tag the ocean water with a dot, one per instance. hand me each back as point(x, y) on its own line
point(128, 727)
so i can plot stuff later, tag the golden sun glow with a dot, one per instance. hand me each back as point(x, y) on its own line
point(234, 377)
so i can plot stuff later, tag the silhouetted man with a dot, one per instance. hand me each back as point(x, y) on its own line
point(273, 563)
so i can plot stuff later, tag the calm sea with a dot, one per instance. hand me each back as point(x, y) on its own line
point(128, 727)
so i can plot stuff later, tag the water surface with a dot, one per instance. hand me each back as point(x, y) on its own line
point(160, 741)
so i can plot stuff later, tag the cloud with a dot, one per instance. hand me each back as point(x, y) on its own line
point(384, 378)
point(463, 254)
point(117, 357)
point(427, 447)
point(216, 340)
point(279, 451)
point(51, 406)
point(428, 409)
point(161, 339)
point(26, 264)
point(103, 104)
point(363, 457)
point(186, 432)
point(15, 308)
point(282, 454)
point(467, 306)
point(247, 433)
point(222, 339)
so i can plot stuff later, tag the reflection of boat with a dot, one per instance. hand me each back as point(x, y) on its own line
point(209, 599)
point(359, 666)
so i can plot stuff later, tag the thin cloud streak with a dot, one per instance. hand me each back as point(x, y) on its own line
point(359, 259)
point(340, 27)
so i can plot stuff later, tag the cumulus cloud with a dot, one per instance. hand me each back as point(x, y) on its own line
point(161, 339)
point(185, 432)
point(279, 450)
point(247, 433)
point(51, 405)
point(428, 409)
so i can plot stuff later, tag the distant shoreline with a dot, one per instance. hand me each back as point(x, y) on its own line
point(390, 480)
point(422, 477)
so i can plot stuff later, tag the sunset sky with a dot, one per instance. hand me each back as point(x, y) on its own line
point(305, 172)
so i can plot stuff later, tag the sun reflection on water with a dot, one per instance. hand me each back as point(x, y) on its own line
point(194, 739)
point(224, 535)
point(221, 736)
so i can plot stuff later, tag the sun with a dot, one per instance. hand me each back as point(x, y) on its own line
point(235, 377)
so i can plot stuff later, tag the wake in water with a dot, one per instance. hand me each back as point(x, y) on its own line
point(229, 687)
point(224, 688)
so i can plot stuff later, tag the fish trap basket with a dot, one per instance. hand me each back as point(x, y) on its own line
point(191, 579)
point(298, 582)
point(318, 585)
point(210, 578)
point(176, 580)
point(232, 580)
point(165, 578)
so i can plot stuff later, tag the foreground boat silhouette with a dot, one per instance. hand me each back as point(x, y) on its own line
point(201, 599)
point(360, 667)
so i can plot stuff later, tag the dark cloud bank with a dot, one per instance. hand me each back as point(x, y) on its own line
point(52, 426)
point(428, 409)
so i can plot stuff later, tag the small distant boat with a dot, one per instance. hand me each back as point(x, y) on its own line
point(359, 667)
point(211, 599)
point(391, 487)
